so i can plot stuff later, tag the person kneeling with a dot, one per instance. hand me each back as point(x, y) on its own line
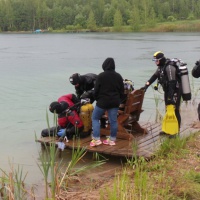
point(69, 122)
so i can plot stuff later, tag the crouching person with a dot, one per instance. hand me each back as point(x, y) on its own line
point(69, 122)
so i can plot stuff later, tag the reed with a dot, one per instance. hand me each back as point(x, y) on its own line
point(71, 170)
point(53, 170)
point(157, 100)
point(48, 165)
point(12, 185)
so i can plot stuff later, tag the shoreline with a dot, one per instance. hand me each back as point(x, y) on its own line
point(176, 26)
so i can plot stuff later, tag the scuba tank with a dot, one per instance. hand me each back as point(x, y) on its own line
point(128, 88)
point(186, 91)
point(86, 116)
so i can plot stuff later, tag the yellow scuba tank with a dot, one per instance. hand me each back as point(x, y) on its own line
point(86, 116)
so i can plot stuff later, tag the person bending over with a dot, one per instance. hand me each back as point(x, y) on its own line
point(69, 122)
point(84, 85)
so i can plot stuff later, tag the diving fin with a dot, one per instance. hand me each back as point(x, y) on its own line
point(170, 122)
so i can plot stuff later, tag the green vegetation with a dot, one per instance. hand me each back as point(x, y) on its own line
point(174, 173)
point(98, 15)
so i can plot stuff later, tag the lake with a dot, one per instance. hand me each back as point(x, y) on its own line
point(35, 70)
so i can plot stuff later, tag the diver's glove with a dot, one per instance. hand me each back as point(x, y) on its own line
point(144, 88)
point(61, 132)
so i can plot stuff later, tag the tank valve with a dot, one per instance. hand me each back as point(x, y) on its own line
point(155, 87)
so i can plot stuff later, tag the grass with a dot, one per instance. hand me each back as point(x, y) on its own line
point(173, 174)
point(12, 185)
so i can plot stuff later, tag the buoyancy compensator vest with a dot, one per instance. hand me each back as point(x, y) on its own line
point(184, 77)
point(86, 116)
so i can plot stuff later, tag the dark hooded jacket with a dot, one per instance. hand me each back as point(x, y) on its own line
point(86, 86)
point(109, 87)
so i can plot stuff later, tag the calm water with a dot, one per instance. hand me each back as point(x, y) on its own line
point(34, 71)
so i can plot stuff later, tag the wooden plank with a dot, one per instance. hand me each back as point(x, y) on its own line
point(153, 133)
point(78, 142)
point(107, 149)
point(124, 149)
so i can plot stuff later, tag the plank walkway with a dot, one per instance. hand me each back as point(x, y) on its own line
point(145, 145)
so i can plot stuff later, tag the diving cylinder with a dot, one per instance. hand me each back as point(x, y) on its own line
point(86, 116)
point(186, 91)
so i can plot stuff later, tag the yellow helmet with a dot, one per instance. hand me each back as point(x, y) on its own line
point(158, 55)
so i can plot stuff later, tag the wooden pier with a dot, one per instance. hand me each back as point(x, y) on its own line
point(141, 145)
point(134, 138)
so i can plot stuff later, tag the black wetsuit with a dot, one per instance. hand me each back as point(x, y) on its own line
point(168, 76)
point(85, 88)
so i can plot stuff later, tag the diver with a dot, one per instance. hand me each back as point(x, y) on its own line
point(168, 77)
point(69, 122)
point(196, 74)
point(84, 85)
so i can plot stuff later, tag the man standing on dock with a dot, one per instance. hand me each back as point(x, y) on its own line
point(168, 77)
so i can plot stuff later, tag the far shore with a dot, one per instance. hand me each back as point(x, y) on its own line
point(176, 26)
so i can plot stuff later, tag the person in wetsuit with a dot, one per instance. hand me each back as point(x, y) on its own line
point(169, 78)
point(84, 85)
point(196, 74)
point(69, 122)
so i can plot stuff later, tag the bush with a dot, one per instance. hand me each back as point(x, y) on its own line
point(171, 18)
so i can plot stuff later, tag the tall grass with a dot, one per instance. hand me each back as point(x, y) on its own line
point(130, 184)
point(172, 147)
point(160, 178)
point(12, 185)
point(157, 100)
point(49, 167)
point(48, 164)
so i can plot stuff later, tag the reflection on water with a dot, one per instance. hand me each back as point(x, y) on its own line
point(35, 71)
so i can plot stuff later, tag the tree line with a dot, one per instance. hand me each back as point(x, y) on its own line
point(28, 15)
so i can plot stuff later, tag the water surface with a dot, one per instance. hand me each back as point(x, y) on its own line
point(35, 68)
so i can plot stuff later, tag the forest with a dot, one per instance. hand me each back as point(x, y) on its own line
point(29, 15)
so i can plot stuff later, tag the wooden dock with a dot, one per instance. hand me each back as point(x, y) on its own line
point(135, 138)
point(144, 145)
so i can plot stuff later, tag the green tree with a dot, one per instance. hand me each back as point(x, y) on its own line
point(98, 9)
point(151, 21)
point(108, 17)
point(135, 19)
point(80, 21)
point(9, 15)
point(118, 21)
point(91, 22)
